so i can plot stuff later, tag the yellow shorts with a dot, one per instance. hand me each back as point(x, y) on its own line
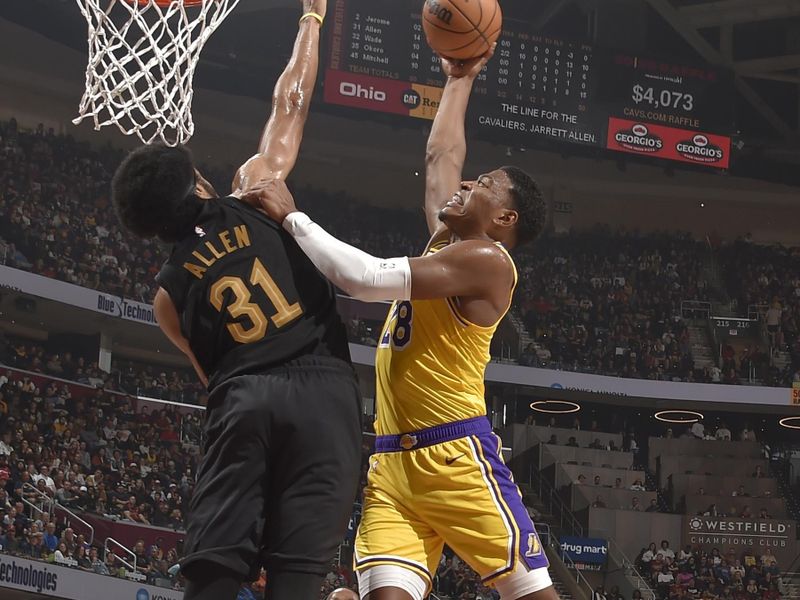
point(458, 493)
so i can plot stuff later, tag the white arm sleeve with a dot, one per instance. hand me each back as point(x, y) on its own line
point(359, 274)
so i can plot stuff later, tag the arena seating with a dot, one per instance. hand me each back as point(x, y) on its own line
point(600, 301)
point(613, 495)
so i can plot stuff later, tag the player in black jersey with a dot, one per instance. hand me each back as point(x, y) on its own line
point(259, 323)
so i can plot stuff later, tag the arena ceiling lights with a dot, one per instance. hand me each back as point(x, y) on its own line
point(680, 417)
point(555, 407)
point(790, 422)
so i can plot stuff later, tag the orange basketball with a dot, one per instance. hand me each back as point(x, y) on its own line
point(462, 29)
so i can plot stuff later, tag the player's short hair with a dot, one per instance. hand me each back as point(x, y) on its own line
point(153, 192)
point(529, 204)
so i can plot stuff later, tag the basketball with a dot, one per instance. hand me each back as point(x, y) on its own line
point(462, 29)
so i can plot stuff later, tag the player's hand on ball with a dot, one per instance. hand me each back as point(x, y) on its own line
point(467, 68)
point(316, 6)
point(273, 197)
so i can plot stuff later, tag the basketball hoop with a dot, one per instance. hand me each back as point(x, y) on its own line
point(142, 58)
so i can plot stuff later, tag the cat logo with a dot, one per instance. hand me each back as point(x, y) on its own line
point(534, 547)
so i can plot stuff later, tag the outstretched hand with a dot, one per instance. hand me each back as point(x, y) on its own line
point(467, 68)
point(273, 197)
point(317, 6)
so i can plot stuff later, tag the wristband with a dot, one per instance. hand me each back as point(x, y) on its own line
point(312, 15)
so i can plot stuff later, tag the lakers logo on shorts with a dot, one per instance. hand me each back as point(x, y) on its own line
point(534, 547)
point(407, 441)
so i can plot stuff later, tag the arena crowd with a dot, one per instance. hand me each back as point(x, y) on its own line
point(600, 301)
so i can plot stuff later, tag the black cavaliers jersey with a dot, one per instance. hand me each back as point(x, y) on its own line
point(248, 298)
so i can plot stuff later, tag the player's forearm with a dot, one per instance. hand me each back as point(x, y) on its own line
point(447, 149)
point(291, 99)
point(448, 134)
point(359, 274)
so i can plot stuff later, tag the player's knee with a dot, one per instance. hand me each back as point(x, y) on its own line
point(342, 594)
point(527, 585)
point(391, 582)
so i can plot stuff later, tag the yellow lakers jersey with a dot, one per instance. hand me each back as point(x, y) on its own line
point(430, 365)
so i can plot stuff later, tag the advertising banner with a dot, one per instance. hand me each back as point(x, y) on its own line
point(587, 553)
point(75, 295)
point(62, 582)
point(758, 535)
point(660, 141)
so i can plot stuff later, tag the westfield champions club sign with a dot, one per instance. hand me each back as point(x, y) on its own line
point(758, 535)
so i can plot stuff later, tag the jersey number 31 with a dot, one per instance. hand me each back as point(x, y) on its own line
point(241, 306)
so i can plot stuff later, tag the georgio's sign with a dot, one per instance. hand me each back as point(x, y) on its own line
point(586, 553)
point(758, 535)
point(660, 141)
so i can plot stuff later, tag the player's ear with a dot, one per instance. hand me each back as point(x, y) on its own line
point(507, 218)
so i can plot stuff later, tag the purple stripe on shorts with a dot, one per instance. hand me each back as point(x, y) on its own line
point(528, 545)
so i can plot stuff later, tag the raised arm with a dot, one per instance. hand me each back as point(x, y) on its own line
point(291, 101)
point(447, 144)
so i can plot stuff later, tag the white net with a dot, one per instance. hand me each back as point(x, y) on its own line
point(142, 58)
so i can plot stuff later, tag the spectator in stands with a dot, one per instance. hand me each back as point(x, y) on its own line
point(664, 581)
point(773, 319)
point(685, 577)
point(698, 430)
point(618, 484)
point(763, 514)
point(98, 566)
point(741, 492)
point(637, 486)
point(747, 435)
point(723, 433)
point(553, 440)
point(50, 538)
point(648, 556)
point(635, 504)
point(599, 593)
point(666, 551)
point(84, 563)
point(597, 480)
point(572, 442)
point(615, 594)
point(581, 479)
point(61, 554)
point(598, 503)
point(768, 558)
point(653, 507)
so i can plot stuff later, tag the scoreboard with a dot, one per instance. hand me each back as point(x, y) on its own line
point(537, 88)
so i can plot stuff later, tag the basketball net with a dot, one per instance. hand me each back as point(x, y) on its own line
point(142, 58)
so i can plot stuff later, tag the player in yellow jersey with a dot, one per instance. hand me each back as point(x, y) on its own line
point(437, 475)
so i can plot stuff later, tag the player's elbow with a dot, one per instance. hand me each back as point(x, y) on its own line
point(291, 102)
point(440, 154)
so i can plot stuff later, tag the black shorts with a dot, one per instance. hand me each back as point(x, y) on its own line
point(280, 470)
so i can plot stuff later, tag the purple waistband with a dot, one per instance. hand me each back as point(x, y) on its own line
point(432, 435)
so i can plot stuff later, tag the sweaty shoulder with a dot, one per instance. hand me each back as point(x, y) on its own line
point(483, 256)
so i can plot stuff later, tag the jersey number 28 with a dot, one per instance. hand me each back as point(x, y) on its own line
point(241, 306)
point(398, 329)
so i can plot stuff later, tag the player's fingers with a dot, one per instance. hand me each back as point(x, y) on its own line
point(489, 53)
